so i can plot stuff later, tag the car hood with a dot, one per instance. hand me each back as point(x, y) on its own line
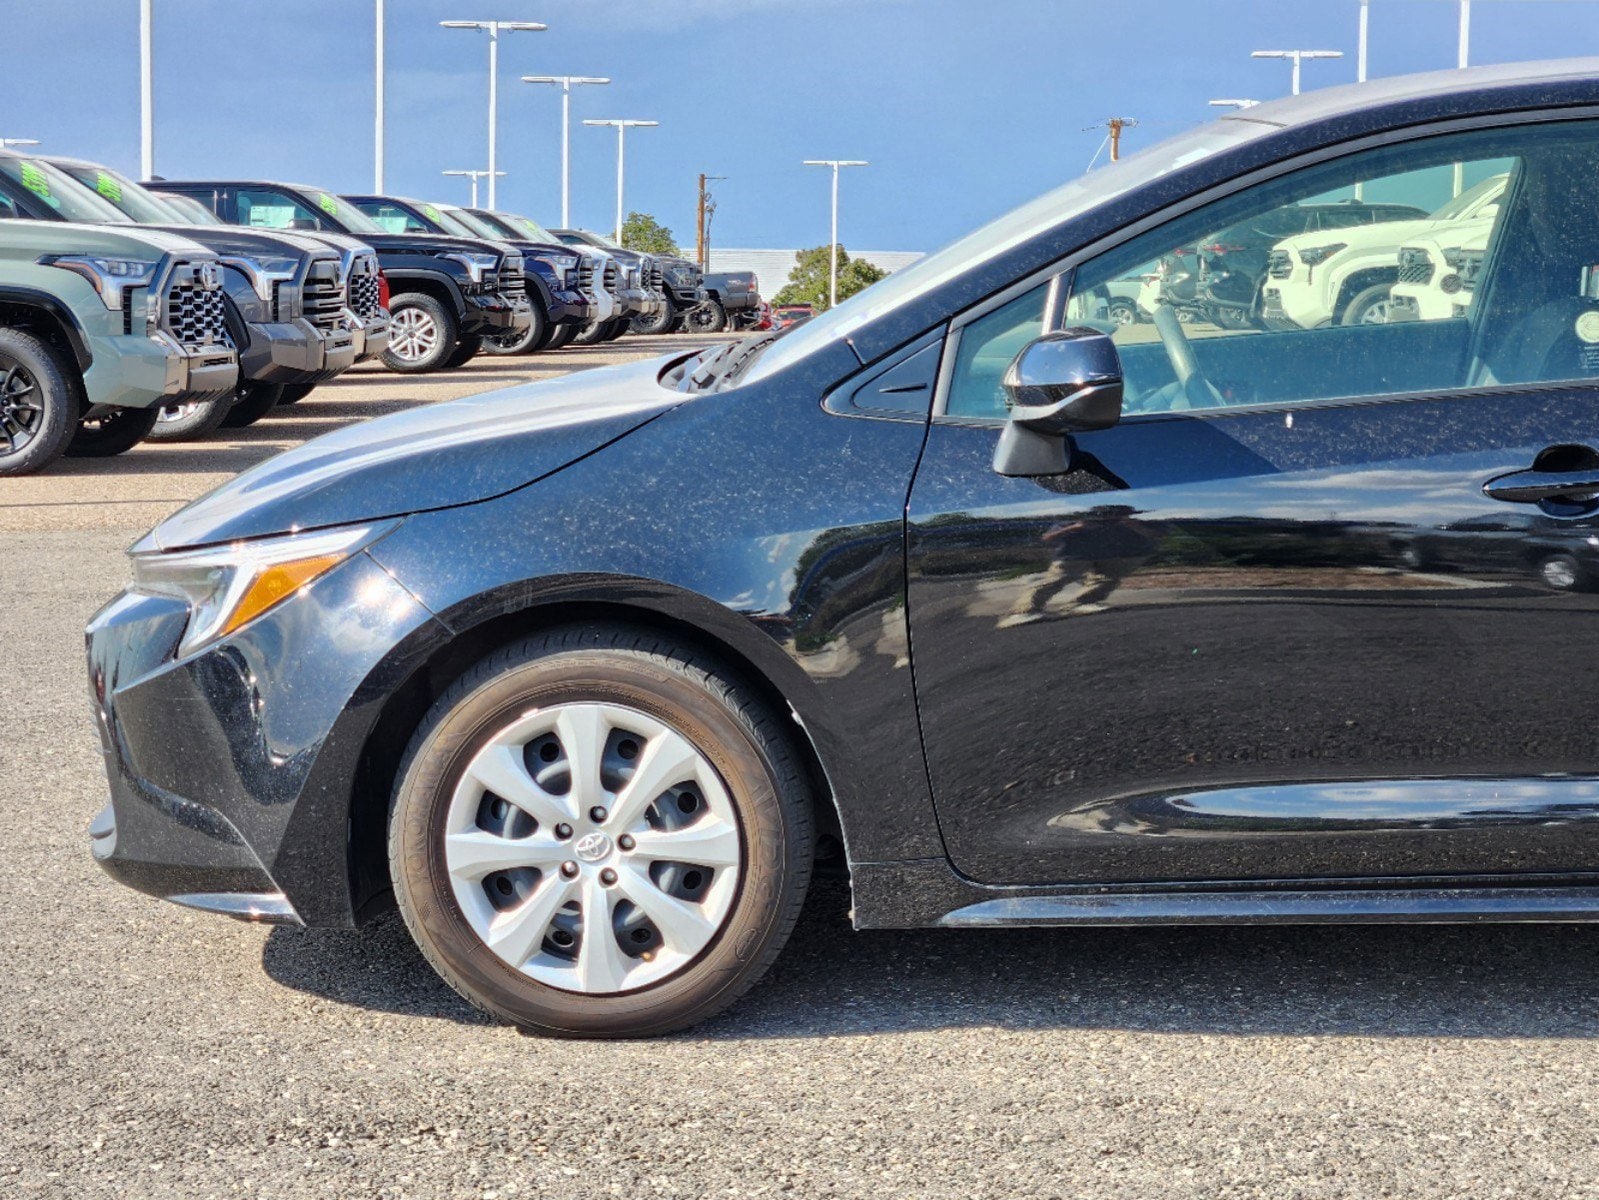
point(1383, 235)
point(441, 456)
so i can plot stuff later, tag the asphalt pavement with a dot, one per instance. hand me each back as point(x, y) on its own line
point(148, 1051)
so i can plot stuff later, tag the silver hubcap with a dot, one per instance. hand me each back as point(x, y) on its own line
point(1558, 573)
point(413, 334)
point(593, 848)
point(20, 412)
point(176, 412)
point(1375, 314)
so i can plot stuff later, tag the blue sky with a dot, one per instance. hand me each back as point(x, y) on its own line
point(964, 109)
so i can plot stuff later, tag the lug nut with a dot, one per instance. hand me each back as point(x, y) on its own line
point(569, 869)
point(597, 814)
point(626, 841)
point(563, 831)
point(607, 877)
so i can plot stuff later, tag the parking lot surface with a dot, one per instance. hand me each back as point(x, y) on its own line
point(147, 1051)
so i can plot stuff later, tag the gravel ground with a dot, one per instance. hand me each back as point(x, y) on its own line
point(146, 1051)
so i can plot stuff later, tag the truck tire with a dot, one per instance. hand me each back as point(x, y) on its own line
point(591, 334)
point(617, 329)
point(38, 403)
point(682, 939)
point(251, 402)
point(191, 420)
point(422, 334)
point(529, 341)
point(117, 432)
point(709, 317)
point(293, 393)
point(562, 335)
point(661, 322)
point(1368, 307)
point(465, 351)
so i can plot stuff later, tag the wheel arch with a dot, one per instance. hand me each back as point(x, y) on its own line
point(748, 655)
point(41, 313)
point(430, 283)
point(1358, 281)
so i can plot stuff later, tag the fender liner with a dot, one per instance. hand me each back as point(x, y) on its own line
point(64, 316)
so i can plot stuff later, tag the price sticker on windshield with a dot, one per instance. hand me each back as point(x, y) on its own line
point(328, 203)
point(108, 187)
point(36, 181)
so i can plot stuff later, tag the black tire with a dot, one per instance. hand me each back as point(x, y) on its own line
point(709, 317)
point(617, 329)
point(465, 351)
point(530, 341)
point(423, 334)
point(192, 419)
point(119, 431)
point(591, 334)
point(746, 745)
point(39, 403)
point(293, 393)
point(1123, 312)
point(659, 322)
point(1368, 307)
point(252, 401)
point(562, 335)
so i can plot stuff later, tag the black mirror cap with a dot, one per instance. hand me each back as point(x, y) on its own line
point(1066, 382)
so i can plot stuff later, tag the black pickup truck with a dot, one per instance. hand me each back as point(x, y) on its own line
point(446, 294)
point(733, 301)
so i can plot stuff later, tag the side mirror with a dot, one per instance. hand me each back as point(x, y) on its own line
point(1066, 382)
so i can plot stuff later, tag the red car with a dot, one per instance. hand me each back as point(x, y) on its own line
point(786, 315)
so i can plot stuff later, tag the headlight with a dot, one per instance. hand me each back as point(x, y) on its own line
point(1314, 255)
point(111, 277)
point(226, 587)
point(477, 265)
point(264, 272)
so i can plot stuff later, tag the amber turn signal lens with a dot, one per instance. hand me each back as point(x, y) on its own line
point(277, 583)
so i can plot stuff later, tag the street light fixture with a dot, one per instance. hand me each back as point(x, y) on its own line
point(1234, 103)
point(622, 126)
point(493, 29)
point(567, 83)
point(1296, 57)
point(5, 141)
point(474, 176)
point(832, 271)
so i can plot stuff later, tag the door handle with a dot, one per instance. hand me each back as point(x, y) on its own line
point(1530, 487)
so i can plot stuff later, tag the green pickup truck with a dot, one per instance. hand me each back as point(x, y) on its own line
point(99, 328)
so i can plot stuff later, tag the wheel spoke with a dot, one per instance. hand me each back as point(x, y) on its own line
point(517, 934)
point(500, 769)
point(600, 964)
point(709, 842)
point(666, 760)
point(477, 853)
point(582, 730)
point(682, 924)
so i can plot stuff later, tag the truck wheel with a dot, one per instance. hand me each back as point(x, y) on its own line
point(562, 335)
point(598, 832)
point(1123, 312)
point(293, 393)
point(191, 420)
point(422, 334)
point(465, 351)
point(120, 430)
point(591, 333)
point(1369, 307)
point(38, 403)
point(530, 341)
point(617, 329)
point(709, 317)
point(251, 402)
point(660, 322)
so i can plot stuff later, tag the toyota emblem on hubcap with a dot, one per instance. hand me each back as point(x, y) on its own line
point(592, 847)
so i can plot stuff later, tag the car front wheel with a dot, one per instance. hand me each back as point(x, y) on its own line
point(598, 833)
point(38, 404)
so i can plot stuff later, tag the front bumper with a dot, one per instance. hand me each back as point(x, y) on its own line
point(371, 334)
point(296, 352)
point(493, 314)
point(231, 772)
point(138, 372)
point(636, 302)
point(570, 307)
point(689, 297)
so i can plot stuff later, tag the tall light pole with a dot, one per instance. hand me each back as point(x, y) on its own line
point(377, 96)
point(493, 28)
point(1361, 41)
point(4, 142)
point(146, 90)
point(621, 159)
point(832, 271)
point(1234, 103)
point(567, 82)
point(474, 176)
point(1296, 57)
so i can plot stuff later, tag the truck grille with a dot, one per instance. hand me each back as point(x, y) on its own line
point(611, 276)
point(585, 274)
point(323, 295)
point(1279, 265)
point(513, 282)
point(1415, 265)
point(657, 277)
point(1470, 268)
point(192, 309)
point(365, 294)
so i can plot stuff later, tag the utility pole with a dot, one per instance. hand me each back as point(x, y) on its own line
point(1116, 125)
point(702, 221)
point(146, 90)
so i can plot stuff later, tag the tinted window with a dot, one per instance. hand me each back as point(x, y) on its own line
point(986, 348)
point(391, 218)
point(268, 208)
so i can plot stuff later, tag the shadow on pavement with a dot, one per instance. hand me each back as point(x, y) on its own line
point(1526, 981)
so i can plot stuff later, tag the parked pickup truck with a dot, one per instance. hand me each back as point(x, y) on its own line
point(599, 278)
point(283, 295)
point(551, 270)
point(445, 293)
point(642, 285)
point(733, 300)
point(101, 326)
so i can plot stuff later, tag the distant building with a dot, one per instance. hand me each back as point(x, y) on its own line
point(772, 267)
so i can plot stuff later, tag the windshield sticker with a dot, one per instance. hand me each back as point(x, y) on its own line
point(36, 181)
point(108, 187)
point(432, 213)
point(328, 203)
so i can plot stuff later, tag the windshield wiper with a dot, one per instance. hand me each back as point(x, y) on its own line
point(727, 364)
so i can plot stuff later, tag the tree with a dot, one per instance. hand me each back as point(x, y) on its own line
point(645, 234)
point(807, 282)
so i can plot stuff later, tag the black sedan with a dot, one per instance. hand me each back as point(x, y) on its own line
point(1023, 616)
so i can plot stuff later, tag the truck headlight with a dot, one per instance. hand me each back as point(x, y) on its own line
point(1313, 256)
point(264, 272)
point(478, 266)
point(111, 277)
point(227, 587)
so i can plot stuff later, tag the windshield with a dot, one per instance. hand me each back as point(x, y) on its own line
point(187, 209)
point(117, 189)
point(1008, 232)
point(342, 211)
point(69, 199)
point(1469, 198)
point(527, 226)
point(469, 224)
